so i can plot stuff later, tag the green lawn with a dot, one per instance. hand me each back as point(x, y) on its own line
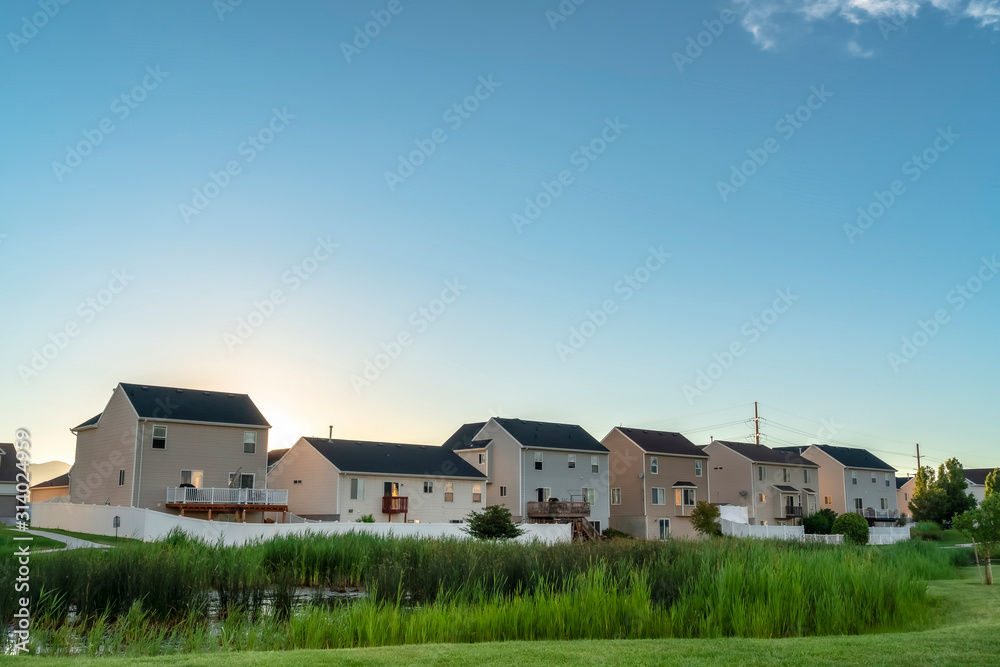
point(968, 633)
point(8, 544)
point(98, 539)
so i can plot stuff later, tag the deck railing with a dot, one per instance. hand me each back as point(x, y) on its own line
point(213, 496)
point(871, 513)
point(559, 509)
point(395, 504)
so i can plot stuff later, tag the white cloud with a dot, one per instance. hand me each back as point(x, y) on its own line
point(766, 20)
point(855, 50)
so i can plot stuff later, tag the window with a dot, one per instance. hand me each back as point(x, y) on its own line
point(589, 495)
point(763, 497)
point(858, 505)
point(543, 494)
point(193, 477)
point(357, 488)
point(390, 489)
point(477, 493)
point(688, 496)
point(299, 481)
point(906, 496)
point(887, 479)
point(654, 465)
point(616, 496)
point(538, 460)
point(786, 475)
point(244, 482)
point(597, 526)
point(664, 529)
point(121, 478)
point(595, 464)
point(854, 477)
point(885, 503)
point(428, 487)
point(571, 461)
point(805, 475)
point(761, 473)
point(659, 496)
point(503, 491)
point(449, 492)
point(482, 459)
point(827, 500)
point(159, 437)
point(698, 468)
point(249, 442)
point(874, 479)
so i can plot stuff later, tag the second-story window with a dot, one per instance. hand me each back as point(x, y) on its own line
point(477, 493)
point(805, 475)
point(854, 477)
point(786, 475)
point(761, 473)
point(249, 442)
point(538, 460)
point(698, 468)
point(482, 459)
point(887, 479)
point(428, 487)
point(159, 437)
point(449, 492)
point(654, 465)
point(595, 464)
point(571, 461)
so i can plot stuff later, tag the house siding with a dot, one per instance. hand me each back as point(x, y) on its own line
point(568, 483)
point(625, 464)
point(503, 464)
point(102, 452)
point(316, 495)
point(869, 493)
point(730, 473)
point(424, 507)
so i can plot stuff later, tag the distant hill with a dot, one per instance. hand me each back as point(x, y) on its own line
point(43, 472)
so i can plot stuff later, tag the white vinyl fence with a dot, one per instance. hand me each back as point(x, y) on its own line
point(149, 525)
point(876, 535)
point(888, 535)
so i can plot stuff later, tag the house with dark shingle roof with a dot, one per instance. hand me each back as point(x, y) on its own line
point(529, 463)
point(777, 487)
point(8, 481)
point(57, 487)
point(175, 450)
point(852, 479)
point(976, 479)
point(343, 480)
point(656, 479)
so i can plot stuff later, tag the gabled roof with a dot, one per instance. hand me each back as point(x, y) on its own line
point(8, 462)
point(855, 457)
point(900, 481)
point(274, 455)
point(550, 435)
point(785, 488)
point(390, 458)
point(193, 405)
point(687, 485)
point(90, 422)
point(978, 475)
point(762, 454)
point(662, 442)
point(462, 438)
point(61, 480)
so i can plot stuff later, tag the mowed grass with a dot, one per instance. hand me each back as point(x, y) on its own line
point(967, 632)
point(9, 545)
point(89, 537)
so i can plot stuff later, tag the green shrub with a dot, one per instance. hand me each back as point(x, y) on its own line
point(705, 519)
point(613, 534)
point(366, 518)
point(819, 523)
point(853, 527)
point(927, 530)
point(493, 523)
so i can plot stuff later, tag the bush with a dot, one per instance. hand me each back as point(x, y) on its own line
point(705, 519)
point(613, 534)
point(820, 523)
point(853, 527)
point(927, 530)
point(493, 523)
point(367, 518)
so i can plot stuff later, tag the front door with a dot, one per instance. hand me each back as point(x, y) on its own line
point(390, 489)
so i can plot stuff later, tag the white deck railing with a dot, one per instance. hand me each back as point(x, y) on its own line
point(191, 496)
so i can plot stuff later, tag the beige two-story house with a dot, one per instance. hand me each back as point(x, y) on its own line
point(176, 450)
point(777, 488)
point(657, 478)
point(345, 480)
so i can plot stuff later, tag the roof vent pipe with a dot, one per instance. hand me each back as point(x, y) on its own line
point(331, 432)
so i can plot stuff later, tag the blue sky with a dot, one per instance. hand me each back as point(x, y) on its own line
point(586, 238)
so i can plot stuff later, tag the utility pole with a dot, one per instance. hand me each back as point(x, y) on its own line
point(756, 424)
point(918, 456)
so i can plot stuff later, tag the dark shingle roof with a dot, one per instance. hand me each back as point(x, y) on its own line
point(855, 457)
point(684, 484)
point(392, 458)
point(900, 481)
point(977, 475)
point(551, 435)
point(786, 489)
point(662, 442)
point(462, 438)
point(762, 454)
point(61, 480)
point(274, 455)
point(193, 405)
point(8, 462)
point(90, 422)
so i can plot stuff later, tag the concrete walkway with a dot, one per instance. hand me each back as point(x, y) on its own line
point(71, 542)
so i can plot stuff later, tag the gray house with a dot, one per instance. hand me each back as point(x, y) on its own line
point(8, 482)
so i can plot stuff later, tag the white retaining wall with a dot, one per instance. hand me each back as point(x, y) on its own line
point(150, 525)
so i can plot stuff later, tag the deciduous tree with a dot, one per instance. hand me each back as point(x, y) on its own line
point(983, 526)
point(705, 519)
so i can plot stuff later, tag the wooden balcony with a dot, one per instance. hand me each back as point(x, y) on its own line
point(226, 500)
point(792, 512)
point(395, 504)
point(557, 510)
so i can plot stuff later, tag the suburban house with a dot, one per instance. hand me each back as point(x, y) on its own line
point(177, 450)
point(542, 471)
point(8, 482)
point(904, 493)
point(976, 478)
point(274, 455)
point(57, 487)
point(777, 487)
point(656, 479)
point(853, 480)
point(344, 480)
